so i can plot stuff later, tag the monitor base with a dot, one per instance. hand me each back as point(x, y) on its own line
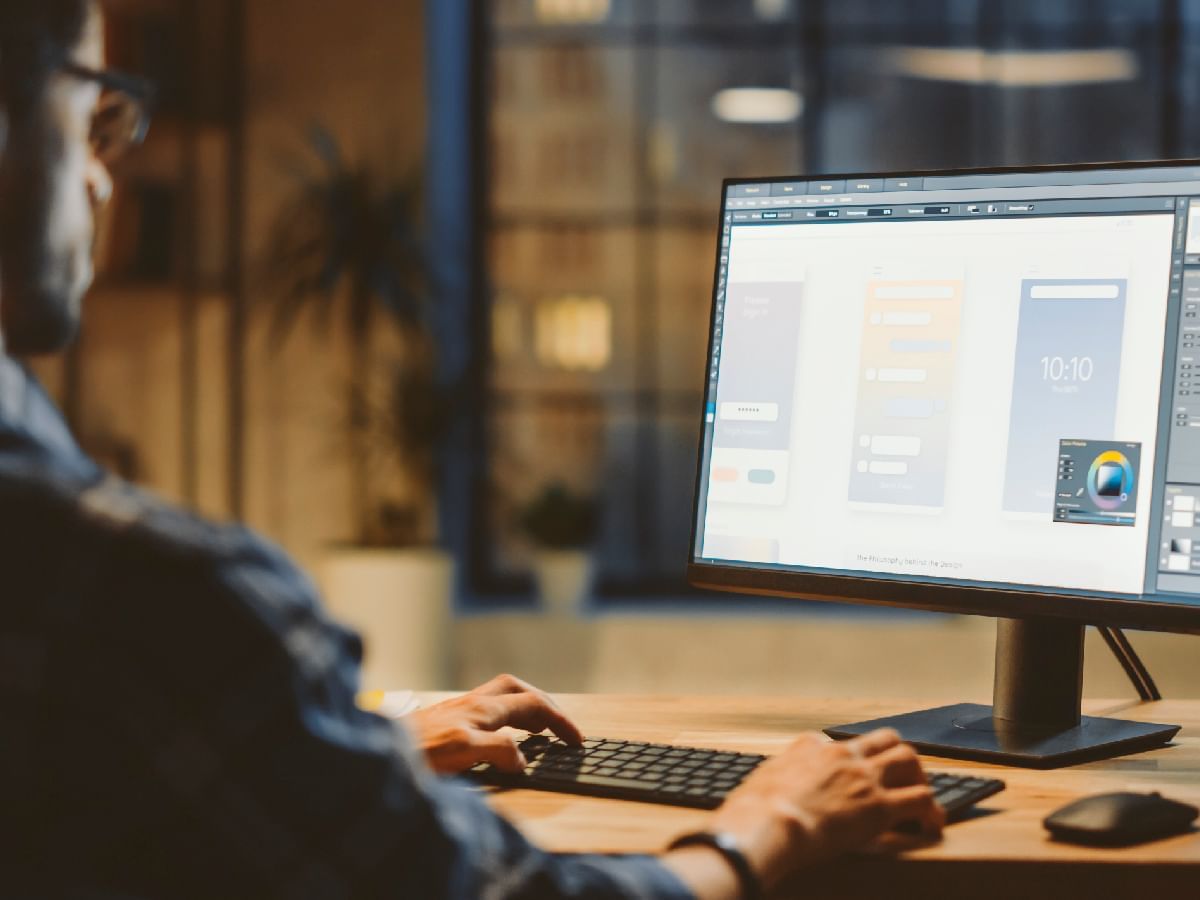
point(969, 731)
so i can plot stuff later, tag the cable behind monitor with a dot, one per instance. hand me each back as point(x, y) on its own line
point(1134, 668)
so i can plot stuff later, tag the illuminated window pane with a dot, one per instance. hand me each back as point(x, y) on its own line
point(563, 130)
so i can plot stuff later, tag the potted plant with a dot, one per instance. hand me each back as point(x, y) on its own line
point(348, 244)
point(562, 526)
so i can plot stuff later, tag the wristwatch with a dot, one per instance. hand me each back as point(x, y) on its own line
point(725, 844)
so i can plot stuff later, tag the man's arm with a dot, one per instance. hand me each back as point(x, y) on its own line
point(233, 751)
point(232, 719)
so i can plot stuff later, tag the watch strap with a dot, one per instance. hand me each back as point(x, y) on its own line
point(727, 845)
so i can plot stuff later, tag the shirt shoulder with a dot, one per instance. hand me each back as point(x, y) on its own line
point(114, 553)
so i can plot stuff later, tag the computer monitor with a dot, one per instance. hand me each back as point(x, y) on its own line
point(974, 391)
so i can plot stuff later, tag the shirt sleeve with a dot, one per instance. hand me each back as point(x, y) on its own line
point(241, 757)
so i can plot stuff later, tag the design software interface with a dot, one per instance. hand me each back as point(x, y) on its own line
point(977, 379)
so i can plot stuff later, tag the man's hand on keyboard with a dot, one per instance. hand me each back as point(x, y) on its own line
point(817, 800)
point(455, 734)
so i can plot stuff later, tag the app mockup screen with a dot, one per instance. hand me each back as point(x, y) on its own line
point(975, 379)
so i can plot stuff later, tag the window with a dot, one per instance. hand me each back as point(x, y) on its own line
point(610, 126)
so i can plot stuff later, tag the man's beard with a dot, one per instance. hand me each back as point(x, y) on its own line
point(48, 329)
point(40, 300)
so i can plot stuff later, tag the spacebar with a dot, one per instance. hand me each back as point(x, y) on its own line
point(631, 784)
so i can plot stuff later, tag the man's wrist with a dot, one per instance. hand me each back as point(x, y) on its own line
point(704, 872)
point(728, 847)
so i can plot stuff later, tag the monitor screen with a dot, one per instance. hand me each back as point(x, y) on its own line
point(975, 379)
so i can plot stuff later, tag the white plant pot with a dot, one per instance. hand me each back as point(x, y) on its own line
point(564, 580)
point(400, 601)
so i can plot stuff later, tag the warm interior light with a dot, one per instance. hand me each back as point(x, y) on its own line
point(573, 11)
point(573, 333)
point(757, 106)
point(1016, 68)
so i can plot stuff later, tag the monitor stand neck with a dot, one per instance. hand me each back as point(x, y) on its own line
point(1039, 674)
point(1035, 718)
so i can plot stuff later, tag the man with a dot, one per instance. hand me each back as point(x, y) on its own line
point(177, 714)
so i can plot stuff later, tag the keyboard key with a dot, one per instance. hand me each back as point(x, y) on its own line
point(949, 797)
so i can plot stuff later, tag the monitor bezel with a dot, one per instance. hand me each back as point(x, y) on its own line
point(1116, 610)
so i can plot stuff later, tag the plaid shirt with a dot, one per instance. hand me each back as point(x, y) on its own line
point(177, 716)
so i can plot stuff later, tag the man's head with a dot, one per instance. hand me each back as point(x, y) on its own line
point(50, 181)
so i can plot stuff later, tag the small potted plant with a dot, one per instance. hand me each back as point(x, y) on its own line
point(562, 525)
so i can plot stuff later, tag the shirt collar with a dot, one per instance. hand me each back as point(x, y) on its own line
point(28, 414)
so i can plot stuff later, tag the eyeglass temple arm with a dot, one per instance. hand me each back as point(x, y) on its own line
point(133, 85)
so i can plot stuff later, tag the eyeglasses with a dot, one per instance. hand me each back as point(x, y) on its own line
point(122, 118)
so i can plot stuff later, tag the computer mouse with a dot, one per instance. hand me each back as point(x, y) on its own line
point(1117, 820)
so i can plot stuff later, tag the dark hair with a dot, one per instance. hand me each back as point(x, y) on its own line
point(35, 36)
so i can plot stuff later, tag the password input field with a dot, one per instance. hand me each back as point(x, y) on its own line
point(750, 412)
point(1074, 292)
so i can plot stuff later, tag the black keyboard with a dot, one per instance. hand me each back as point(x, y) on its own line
point(680, 776)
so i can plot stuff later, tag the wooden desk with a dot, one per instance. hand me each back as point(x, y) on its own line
point(1001, 852)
